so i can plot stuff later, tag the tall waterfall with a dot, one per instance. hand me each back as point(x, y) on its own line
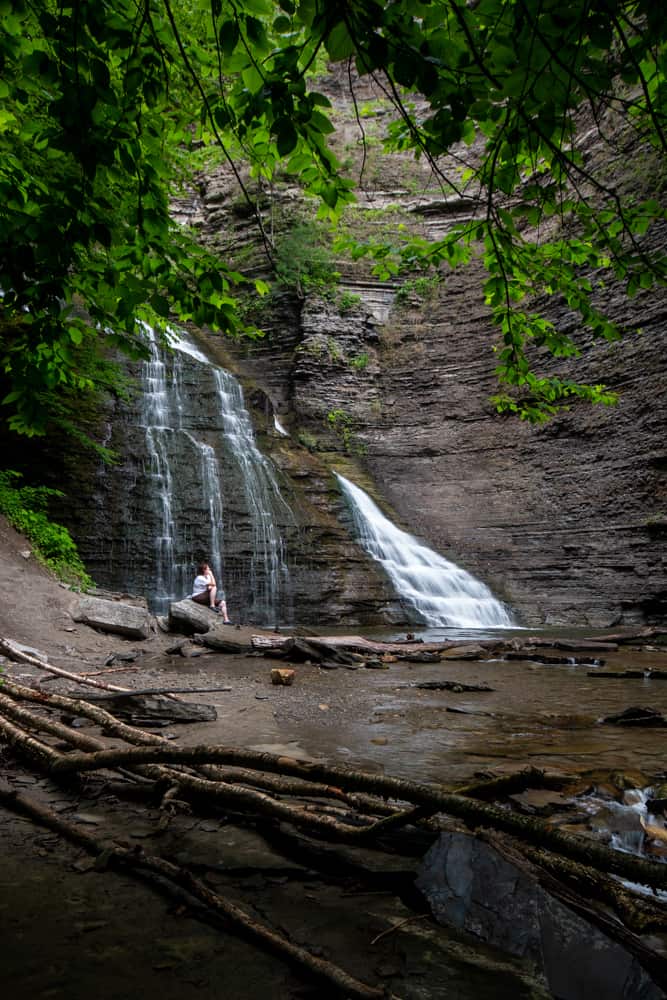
point(441, 592)
point(206, 478)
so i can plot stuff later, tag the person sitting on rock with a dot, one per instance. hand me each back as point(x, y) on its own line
point(205, 591)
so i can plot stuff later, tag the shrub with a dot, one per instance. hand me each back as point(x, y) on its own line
point(359, 361)
point(347, 301)
point(25, 509)
point(304, 262)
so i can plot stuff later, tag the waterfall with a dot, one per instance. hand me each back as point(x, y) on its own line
point(438, 590)
point(205, 481)
point(160, 413)
point(194, 458)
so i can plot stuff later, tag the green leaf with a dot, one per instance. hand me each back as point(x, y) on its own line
point(286, 136)
point(339, 43)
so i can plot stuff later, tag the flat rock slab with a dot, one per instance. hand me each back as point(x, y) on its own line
point(154, 708)
point(129, 620)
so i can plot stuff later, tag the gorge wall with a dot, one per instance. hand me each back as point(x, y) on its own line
point(566, 521)
point(389, 384)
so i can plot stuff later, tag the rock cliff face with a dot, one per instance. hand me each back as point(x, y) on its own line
point(567, 521)
point(389, 385)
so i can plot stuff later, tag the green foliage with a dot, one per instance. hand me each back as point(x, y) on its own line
point(303, 260)
point(103, 103)
point(348, 301)
point(359, 362)
point(25, 507)
point(308, 440)
point(422, 287)
point(335, 352)
point(342, 424)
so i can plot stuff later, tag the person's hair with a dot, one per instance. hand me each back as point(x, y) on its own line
point(201, 568)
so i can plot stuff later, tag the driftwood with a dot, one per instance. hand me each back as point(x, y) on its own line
point(430, 796)
point(157, 760)
point(280, 785)
point(526, 653)
point(368, 809)
point(573, 645)
point(14, 652)
point(215, 905)
point(641, 635)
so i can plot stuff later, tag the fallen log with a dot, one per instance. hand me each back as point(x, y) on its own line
point(634, 635)
point(529, 828)
point(349, 643)
point(571, 661)
point(137, 737)
point(574, 645)
point(14, 651)
point(245, 800)
point(217, 906)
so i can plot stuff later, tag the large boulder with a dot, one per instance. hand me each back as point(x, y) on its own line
point(472, 886)
point(189, 617)
point(129, 620)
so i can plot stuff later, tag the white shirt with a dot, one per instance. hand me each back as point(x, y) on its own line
point(200, 585)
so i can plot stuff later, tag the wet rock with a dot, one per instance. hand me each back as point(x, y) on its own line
point(219, 640)
point(417, 656)
point(186, 649)
point(128, 657)
point(637, 717)
point(658, 800)
point(469, 652)
point(471, 886)
point(457, 686)
point(129, 620)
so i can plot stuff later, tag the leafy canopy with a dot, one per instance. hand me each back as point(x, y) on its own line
point(103, 101)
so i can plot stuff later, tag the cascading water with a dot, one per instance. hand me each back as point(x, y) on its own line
point(160, 414)
point(438, 590)
point(178, 449)
point(268, 569)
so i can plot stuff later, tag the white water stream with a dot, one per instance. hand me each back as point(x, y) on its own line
point(440, 591)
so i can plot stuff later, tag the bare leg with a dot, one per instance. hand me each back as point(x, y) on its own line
point(223, 610)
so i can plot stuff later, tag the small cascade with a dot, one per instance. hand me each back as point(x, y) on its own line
point(208, 479)
point(439, 591)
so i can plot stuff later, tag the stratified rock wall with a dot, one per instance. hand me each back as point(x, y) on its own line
point(567, 521)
